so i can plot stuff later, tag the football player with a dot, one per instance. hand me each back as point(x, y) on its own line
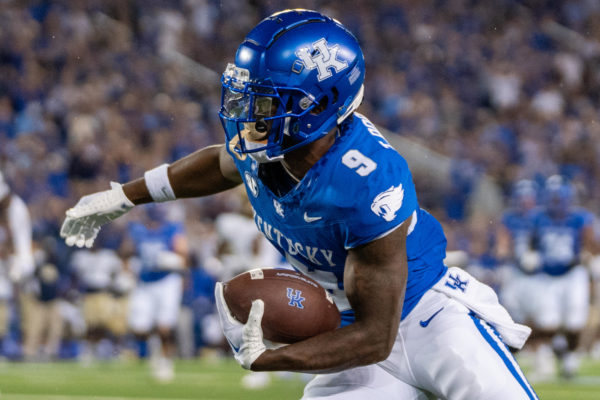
point(16, 252)
point(339, 203)
point(562, 233)
point(95, 270)
point(513, 248)
point(161, 248)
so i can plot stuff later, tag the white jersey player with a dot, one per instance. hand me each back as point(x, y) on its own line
point(16, 252)
point(240, 246)
point(96, 270)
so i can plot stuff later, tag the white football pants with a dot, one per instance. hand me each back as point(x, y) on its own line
point(156, 303)
point(442, 351)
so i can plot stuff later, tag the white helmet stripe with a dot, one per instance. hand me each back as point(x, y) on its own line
point(354, 105)
point(4, 189)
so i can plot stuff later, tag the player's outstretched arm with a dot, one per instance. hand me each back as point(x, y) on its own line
point(375, 282)
point(206, 171)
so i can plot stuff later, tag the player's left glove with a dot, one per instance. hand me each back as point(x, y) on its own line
point(246, 341)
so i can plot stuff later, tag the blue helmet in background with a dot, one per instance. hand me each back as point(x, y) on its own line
point(156, 212)
point(296, 76)
point(559, 194)
point(525, 195)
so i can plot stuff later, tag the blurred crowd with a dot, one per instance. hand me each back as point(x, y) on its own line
point(99, 90)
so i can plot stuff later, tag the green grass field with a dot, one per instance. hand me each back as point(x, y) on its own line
point(199, 379)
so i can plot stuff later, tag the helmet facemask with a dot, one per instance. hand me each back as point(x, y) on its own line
point(257, 117)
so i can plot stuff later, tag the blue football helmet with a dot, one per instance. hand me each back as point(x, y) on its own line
point(559, 194)
point(296, 76)
point(156, 212)
point(524, 195)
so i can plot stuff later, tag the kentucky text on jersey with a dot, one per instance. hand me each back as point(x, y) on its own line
point(313, 254)
point(359, 191)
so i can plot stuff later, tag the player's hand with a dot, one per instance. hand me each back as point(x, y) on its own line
point(83, 222)
point(170, 261)
point(232, 328)
point(20, 267)
point(252, 336)
point(531, 261)
point(246, 341)
point(15, 273)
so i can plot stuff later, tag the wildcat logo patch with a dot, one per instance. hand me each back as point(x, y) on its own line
point(387, 203)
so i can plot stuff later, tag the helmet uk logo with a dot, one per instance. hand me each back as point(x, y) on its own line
point(323, 58)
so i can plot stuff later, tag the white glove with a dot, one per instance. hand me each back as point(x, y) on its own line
point(15, 273)
point(530, 261)
point(246, 341)
point(232, 328)
point(83, 221)
point(20, 267)
point(252, 336)
point(170, 261)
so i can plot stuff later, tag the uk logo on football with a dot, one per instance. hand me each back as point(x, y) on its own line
point(295, 297)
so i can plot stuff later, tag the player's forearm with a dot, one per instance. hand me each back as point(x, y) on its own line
point(198, 174)
point(343, 348)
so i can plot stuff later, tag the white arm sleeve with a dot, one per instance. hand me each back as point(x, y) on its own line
point(19, 223)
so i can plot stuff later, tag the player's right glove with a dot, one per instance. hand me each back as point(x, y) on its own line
point(246, 341)
point(83, 222)
point(232, 328)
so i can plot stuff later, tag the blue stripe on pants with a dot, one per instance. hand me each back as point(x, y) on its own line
point(504, 353)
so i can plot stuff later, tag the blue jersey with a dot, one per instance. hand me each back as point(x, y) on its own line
point(360, 190)
point(149, 243)
point(520, 226)
point(559, 241)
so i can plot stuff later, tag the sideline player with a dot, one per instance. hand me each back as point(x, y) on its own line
point(95, 270)
point(162, 250)
point(339, 202)
point(513, 248)
point(16, 254)
point(562, 233)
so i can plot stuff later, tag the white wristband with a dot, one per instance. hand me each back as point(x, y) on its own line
point(157, 182)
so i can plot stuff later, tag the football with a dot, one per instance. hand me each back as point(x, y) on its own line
point(296, 307)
